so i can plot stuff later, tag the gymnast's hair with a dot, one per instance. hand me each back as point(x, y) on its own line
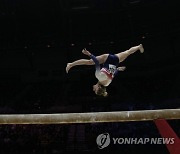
point(102, 91)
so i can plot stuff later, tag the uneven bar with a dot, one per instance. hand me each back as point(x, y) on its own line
point(91, 117)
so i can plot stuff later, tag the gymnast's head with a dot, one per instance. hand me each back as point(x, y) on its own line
point(100, 90)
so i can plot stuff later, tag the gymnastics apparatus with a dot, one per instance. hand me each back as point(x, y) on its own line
point(159, 117)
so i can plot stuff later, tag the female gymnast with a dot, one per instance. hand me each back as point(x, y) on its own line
point(109, 69)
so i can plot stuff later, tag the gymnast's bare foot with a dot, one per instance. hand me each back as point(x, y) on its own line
point(141, 48)
point(68, 67)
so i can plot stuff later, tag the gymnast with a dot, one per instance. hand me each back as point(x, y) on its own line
point(109, 68)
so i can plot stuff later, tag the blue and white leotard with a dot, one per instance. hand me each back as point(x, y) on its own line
point(109, 69)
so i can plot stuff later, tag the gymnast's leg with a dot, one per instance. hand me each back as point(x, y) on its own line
point(79, 62)
point(123, 55)
point(101, 59)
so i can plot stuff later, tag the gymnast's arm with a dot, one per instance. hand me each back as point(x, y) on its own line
point(95, 61)
point(119, 69)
